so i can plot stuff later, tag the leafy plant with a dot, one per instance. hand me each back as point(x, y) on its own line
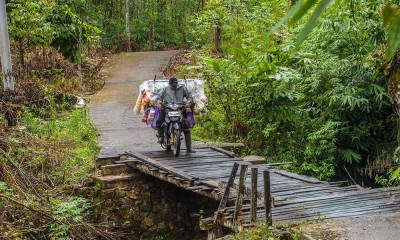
point(324, 106)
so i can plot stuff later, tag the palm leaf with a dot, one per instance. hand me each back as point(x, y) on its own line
point(303, 10)
point(290, 13)
point(393, 36)
point(312, 21)
point(388, 13)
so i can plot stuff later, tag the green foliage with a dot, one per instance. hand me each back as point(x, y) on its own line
point(71, 210)
point(236, 19)
point(53, 22)
point(390, 15)
point(76, 128)
point(4, 189)
point(169, 19)
point(67, 17)
point(28, 21)
point(258, 233)
point(321, 107)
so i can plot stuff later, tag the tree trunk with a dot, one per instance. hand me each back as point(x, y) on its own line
point(80, 50)
point(21, 53)
point(217, 33)
point(394, 92)
point(151, 36)
point(127, 26)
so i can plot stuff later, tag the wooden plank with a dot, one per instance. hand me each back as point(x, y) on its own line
point(226, 152)
point(347, 197)
point(201, 164)
point(162, 166)
point(298, 177)
point(334, 202)
point(126, 161)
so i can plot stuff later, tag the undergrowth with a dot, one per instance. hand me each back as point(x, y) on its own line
point(45, 157)
point(262, 232)
point(48, 148)
point(73, 148)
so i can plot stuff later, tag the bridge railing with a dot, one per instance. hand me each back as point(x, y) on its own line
point(235, 221)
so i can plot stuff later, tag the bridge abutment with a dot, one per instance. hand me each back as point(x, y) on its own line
point(138, 206)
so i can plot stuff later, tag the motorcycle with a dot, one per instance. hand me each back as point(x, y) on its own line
point(173, 127)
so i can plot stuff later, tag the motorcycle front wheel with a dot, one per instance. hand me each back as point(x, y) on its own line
point(176, 141)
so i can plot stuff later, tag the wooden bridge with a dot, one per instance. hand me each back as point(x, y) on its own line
point(211, 172)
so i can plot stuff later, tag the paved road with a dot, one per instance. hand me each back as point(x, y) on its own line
point(112, 108)
point(380, 227)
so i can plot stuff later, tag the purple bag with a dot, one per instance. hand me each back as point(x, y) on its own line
point(190, 119)
point(154, 122)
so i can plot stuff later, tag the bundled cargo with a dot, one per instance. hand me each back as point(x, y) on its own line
point(149, 95)
point(150, 89)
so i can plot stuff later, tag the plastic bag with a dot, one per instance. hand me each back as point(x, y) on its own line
point(190, 122)
point(154, 122)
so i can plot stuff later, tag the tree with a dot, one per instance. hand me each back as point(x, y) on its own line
point(127, 26)
point(390, 18)
point(29, 25)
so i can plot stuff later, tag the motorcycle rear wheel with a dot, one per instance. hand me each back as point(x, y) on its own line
point(176, 142)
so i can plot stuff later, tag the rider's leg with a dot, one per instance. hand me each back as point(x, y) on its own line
point(159, 123)
point(188, 141)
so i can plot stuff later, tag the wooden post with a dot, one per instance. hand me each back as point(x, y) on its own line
point(225, 197)
point(253, 206)
point(267, 197)
point(239, 199)
point(216, 231)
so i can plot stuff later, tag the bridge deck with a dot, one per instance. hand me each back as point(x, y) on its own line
point(296, 197)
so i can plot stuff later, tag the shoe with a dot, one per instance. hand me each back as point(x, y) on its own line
point(188, 141)
point(160, 135)
point(190, 150)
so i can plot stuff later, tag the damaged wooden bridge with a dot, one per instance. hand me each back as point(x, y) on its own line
point(250, 193)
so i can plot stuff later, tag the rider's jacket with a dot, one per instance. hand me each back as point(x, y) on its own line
point(167, 95)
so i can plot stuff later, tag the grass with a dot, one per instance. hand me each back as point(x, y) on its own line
point(62, 145)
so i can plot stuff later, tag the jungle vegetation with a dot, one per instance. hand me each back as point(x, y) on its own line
point(305, 81)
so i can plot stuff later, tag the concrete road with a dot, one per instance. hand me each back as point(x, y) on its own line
point(112, 108)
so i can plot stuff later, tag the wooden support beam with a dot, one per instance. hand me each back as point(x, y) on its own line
point(226, 152)
point(253, 208)
point(239, 199)
point(162, 166)
point(267, 197)
point(232, 176)
point(296, 176)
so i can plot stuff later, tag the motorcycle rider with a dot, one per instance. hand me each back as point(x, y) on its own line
point(170, 94)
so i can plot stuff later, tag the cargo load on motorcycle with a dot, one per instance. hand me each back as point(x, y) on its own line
point(168, 106)
point(149, 93)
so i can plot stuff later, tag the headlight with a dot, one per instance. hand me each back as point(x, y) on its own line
point(174, 114)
